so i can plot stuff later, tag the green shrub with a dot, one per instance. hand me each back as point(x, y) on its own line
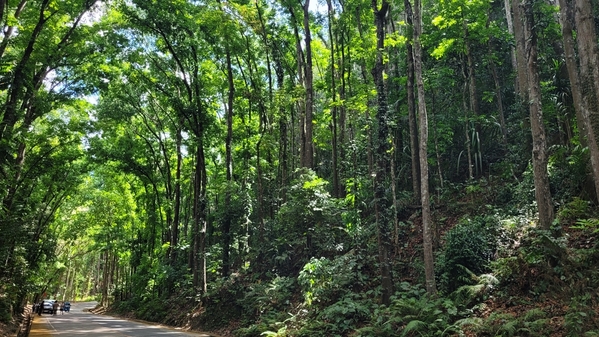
point(532, 323)
point(469, 248)
point(575, 209)
point(265, 297)
point(580, 318)
point(412, 313)
point(344, 315)
point(5, 310)
point(324, 281)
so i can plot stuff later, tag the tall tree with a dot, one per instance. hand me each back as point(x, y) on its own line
point(381, 203)
point(539, 142)
point(307, 148)
point(588, 52)
point(427, 222)
point(412, 125)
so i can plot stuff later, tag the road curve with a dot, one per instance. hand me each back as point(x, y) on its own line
point(83, 323)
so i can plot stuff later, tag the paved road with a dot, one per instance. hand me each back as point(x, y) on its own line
point(81, 323)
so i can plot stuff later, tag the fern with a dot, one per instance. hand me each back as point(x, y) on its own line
point(468, 293)
point(488, 279)
point(537, 325)
point(587, 224)
point(510, 327)
point(534, 314)
point(414, 326)
point(282, 332)
point(474, 322)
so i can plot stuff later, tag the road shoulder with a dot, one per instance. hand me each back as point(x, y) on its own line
point(41, 327)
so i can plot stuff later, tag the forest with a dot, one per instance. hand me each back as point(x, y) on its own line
point(304, 168)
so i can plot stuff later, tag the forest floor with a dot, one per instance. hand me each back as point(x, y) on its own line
point(8, 330)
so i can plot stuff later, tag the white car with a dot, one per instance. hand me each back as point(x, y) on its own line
point(48, 306)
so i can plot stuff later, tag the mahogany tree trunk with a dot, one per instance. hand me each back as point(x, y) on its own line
point(307, 155)
point(429, 267)
point(381, 203)
point(413, 127)
point(539, 143)
point(588, 52)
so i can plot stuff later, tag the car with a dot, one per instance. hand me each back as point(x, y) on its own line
point(48, 306)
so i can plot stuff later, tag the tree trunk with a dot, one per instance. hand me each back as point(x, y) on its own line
point(337, 190)
point(586, 38)
point(381, 204)
point(522, 80)
point(226, 230)
point(510, 28)
point(501, 112)
point(429, 267)
point(177, 205)
point(467, 127)
point(19, 79)
point(437, 152)
point(199, 218)
point(413, 127)
point(539, 145)
point(473, 97)
point(307, 144)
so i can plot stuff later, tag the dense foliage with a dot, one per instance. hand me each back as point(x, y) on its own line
point(304, 168)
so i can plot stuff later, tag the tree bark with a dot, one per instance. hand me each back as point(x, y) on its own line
point(199, 219)
point(467, 128)
point(412, 125)
point(522, 80)
point(307, 143)
point(226, 230)
point(177, 196)
point(510, 28)
point(429, 267)
point(381, 204)
point(501, 110)
point(539, 143)
point(337, 190)
point(588, 52)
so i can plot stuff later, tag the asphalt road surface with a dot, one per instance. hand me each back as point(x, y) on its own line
point(83, 323)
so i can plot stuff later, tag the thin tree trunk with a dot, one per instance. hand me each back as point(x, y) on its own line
point(473, 97)
point(413, 127)
point(197, 218)
point(522, 80)
point(226, 231)
point(177, 205)
point(381, 205)
point(467, 128)
point(370, 154)
point(510, 28)
point(307, 144)
point(336, 185)
point(429, 267)
point(539, 151)
point(501, 112)
point(437, 152)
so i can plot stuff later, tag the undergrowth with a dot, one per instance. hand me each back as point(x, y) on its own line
point(498, 276)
